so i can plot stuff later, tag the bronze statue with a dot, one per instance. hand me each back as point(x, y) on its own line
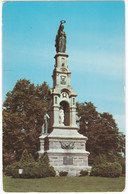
point(61, 38)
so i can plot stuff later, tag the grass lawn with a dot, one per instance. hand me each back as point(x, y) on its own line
point(64, 184)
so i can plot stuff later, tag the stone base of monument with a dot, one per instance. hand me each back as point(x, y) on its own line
point(66, 149)
point(72, 163)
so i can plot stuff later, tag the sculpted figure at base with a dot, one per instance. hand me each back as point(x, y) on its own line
point(61, 117)
point(78, 120)
point(45, 125)
point(61, 39)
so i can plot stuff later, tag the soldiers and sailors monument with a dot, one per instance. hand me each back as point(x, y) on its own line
point(60, 138)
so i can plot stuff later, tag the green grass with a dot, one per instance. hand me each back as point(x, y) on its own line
point(64, 184)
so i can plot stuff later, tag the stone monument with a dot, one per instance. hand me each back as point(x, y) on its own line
point(65, 146)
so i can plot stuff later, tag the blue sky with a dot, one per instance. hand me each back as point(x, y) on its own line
point(95, 44)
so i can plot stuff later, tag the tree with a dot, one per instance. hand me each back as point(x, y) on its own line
point(102, 132)
point(23, 116)
point(23, 113)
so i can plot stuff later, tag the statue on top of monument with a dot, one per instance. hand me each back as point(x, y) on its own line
point(61, 38)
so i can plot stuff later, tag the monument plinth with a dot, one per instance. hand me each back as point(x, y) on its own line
point(65, 146)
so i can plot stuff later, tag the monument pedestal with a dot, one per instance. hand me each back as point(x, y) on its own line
point(66, 150)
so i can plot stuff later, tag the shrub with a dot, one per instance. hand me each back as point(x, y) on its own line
point(52, 172)
point(122, 163)
point(31, 169)
point(107, 169)
point(63, 173)
point(117, 158)
point(9, 170)
point(26, 157)
point(83, 173)
point(111, 170)
point(46, 169)
point(100, 159)
point(95, 171)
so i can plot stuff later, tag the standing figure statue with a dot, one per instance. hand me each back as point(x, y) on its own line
point(45, 125)
point(61, 38)
point(61, 117)
point(78, 120)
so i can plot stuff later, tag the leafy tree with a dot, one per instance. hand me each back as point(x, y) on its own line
point(102, 132)
point(23, 113)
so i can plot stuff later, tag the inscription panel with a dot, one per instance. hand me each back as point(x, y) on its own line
point(67, 160)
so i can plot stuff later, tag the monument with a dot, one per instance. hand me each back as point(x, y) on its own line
point(60, 138)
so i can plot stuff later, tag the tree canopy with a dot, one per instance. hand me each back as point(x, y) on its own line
point(23, 116)
point(23, 113)
point(102, 132)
